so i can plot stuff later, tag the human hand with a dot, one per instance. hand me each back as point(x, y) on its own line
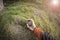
point(30, 24)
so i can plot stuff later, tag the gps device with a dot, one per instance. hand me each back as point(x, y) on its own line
point(29, 22)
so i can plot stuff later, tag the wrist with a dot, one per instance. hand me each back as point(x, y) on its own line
point(36, 29)
point(33, 28)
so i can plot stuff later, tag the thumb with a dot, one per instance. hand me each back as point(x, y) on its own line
point(27, 25)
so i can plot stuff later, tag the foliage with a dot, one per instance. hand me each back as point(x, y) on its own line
point(13, 22)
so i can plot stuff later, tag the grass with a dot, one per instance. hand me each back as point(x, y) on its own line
point(20, 12)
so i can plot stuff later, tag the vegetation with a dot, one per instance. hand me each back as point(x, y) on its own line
point(14, 16)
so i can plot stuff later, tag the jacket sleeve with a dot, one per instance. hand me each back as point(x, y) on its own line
point(41, 35)
point(46, 36)
point(38, 33)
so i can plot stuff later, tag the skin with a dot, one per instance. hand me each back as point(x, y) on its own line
point(33, 25)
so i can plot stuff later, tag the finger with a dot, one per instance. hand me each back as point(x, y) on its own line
point(27, 25)
point(31, 20)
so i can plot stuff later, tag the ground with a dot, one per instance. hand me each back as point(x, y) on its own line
point(14, 16)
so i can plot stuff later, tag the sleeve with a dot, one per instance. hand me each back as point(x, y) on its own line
point(38, 33)
point(46, 36)
point(41, 35)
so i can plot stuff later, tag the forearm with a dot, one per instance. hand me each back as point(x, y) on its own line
point(41, 35)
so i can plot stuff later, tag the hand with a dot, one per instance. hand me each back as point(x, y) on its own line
point(30, 24)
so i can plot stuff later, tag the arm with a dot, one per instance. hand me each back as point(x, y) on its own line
point(39, 33)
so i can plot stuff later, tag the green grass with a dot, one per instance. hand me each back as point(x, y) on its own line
point(21, 12)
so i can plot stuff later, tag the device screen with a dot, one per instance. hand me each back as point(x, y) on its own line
point(29, 22)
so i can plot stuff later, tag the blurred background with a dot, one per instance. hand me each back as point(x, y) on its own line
point(45, 13)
